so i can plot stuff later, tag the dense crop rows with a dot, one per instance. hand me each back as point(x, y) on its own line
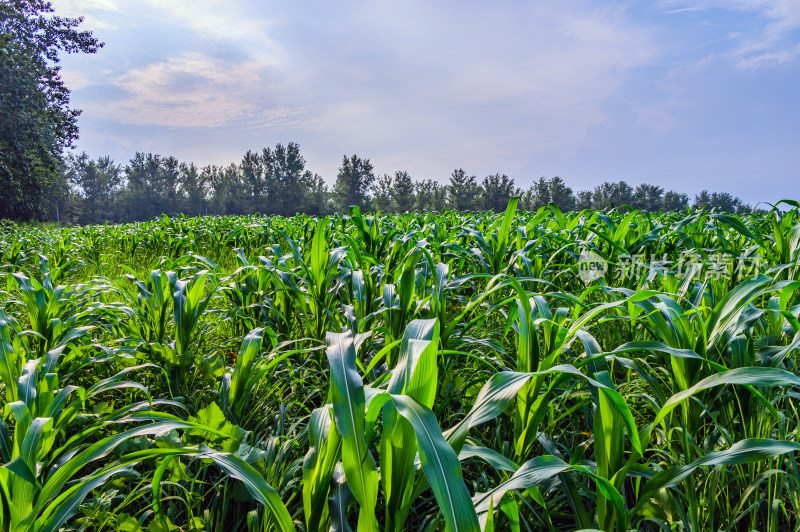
point(409, 372)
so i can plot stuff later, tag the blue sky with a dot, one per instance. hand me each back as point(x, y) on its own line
point(690, 95)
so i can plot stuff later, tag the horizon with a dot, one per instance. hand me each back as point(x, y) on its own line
point(685, 95)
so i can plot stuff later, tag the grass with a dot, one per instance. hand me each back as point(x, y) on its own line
point(402, 372)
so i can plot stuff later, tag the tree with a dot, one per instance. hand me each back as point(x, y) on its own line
point(497, 190)
point(722, 201)
point(584, 200)
point(274, 179)
point(285, 170)
point(702, 200)
point(431, 196)
point(647, 197)
point(139, 193)
point(353, 182)
point(438, 197)
point(97, 185)
point(402, 192)
point(609, 195)
point(37, 122)
point(561, 194)
point(194, 184)
point(253, 177)
point(228, 189)
point(317, 200)
point(545, 191)
point(168, 185)
point(382, 193)
point(527, 199)
point(154, 186)
point(541, 193)
point(462, 194)
point(674, 201)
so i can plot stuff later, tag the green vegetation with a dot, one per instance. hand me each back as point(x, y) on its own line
point(276, 181)
point(37, 122)
point(402, 372)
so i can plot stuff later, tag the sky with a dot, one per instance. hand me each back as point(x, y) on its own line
point(688, 95)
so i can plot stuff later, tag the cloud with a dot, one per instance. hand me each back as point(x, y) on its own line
point(521, 79)
point(180, 64)
point(233, 22)
point(380, 78)
point(692, 9)
point(94, 12)
point(195, 90)
point(780, 57)
point(772, 37)
point(585, 89)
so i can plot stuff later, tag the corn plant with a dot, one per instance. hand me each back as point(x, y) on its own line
point(418, 371)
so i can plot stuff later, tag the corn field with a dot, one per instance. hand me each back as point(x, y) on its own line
point(436, 371)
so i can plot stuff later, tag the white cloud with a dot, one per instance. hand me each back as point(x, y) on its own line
point(196, 90)
point(780, 57)
point(521, 80)
point(773, 39)
point(479, 81)
point(75, 79)
point(234, 22)
point(94, 12)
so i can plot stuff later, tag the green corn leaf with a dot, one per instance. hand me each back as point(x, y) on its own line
point(415, 375)
point(505, 228)
point(155, 489)
point(347, 394)
point(495, 396)
point(24, 493)
point(99, 450)
point(741, 452)
point(21, 469)
point(727, 311)
point(28, 381)
point(324, 450)
point(244, 363)
point(527, 475)
point(255, 485)
point(67, 505)
point(319, 254)
point(489, 525)
point(502, 389)
point(338, 501)
point(493, 458)
point(441, 466)
point(9, 372)
point(539, 469)
point(753, 376)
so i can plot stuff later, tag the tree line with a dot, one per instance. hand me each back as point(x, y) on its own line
point(276, 181)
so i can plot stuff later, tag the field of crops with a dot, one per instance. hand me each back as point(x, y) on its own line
point(464, 372)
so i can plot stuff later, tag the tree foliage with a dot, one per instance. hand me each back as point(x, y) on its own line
point(720, 200)
point(37, 121)
point(496, 191)
point(545, 191)
point(402, 192)
point(431, 196)
point(353, 182)
point(97, 185)
point(462, 194)
point(382, 193)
